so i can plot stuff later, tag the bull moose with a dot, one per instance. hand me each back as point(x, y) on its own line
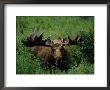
point(53, 52)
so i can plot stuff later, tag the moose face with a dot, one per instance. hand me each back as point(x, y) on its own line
point(57, 53)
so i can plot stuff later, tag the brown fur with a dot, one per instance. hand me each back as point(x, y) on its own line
point(51, 55)
point(44, 52)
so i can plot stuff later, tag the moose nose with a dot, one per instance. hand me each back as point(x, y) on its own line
point(58, 60)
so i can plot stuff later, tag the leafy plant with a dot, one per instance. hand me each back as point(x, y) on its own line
point(81, 58)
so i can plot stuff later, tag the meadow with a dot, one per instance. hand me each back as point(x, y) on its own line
point(81, 58)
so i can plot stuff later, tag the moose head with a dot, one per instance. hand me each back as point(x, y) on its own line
point(60, 51)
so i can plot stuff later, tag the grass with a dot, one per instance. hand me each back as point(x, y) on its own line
point(80, 56)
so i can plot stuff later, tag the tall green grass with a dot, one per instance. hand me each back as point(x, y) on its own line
point(81, 58)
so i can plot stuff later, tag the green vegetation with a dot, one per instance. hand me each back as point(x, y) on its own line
point(81, 58)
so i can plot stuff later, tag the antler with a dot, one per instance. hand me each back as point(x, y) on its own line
point(34, 40)
point(78, 39)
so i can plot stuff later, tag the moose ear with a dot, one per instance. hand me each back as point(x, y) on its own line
point(65, 40)
point(49, 42)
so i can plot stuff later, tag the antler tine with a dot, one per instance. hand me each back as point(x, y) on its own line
point(38, 37)
point(41, 35)
point(75, 40)
point(70, 40)
point(27, 42)
point(36, 31)
point(34, 40)
point(80, 39)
